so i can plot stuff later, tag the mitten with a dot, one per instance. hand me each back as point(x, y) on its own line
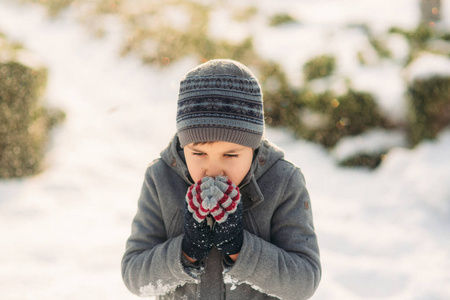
point(197, 240)
point(227, 235)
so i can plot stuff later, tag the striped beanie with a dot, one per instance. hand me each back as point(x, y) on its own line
point(220, 100)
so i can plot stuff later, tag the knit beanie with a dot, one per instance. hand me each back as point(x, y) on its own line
point(220, 100)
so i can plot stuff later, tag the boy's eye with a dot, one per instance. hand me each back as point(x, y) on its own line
point(231, 155)
point(198, 153)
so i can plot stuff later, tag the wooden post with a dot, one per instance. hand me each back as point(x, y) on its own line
point(431, 11)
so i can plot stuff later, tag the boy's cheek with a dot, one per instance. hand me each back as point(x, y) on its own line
point(196, 174)
point(237, 181)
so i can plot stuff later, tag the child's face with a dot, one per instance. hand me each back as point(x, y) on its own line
point(218, 158)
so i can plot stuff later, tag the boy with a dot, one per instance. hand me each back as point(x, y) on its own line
point(221, 214)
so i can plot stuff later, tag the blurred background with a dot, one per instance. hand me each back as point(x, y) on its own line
point(357, 93)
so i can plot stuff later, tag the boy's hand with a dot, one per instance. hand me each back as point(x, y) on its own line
point(218, 198)
point(197, 240)
point(227, 233)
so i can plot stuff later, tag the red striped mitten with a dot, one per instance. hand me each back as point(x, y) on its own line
point(197, 239)
point(198, 198)
point(227, 197)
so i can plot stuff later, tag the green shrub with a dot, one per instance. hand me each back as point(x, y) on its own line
point(322, 118)
point(162, 43)
point(379, 46)
point(376, 42)
point(420, 37)
point(446, 36)
point(325, 118)
point(279, 97)
point(280, 19)
point(429, 101)
point(320, 66)
point(364, 160)
point(25, 124)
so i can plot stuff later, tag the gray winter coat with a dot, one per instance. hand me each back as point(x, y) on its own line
point(280, 254)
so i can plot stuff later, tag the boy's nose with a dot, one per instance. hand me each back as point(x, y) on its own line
point(214, 170)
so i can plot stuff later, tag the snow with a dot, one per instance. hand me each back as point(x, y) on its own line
point(159, 289)
point(383, 234)
point(428, 65)
point(374, 141)
point(228, 279)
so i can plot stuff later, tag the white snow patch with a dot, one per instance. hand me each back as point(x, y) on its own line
point(423, 172)
point(398, 45)
point(371, 142)
point(159, 289)
point(228, 279)
point(336, 84)
point(386, 85)
point(428, 65)
point(225, 28)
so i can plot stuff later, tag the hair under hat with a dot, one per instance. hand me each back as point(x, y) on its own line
point(220, 100)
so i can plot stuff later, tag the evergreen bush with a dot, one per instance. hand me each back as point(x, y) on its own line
point(420, 38)
point(162, 43)
point(280, 19)
point(349, 114)
point(429, 111)
point(366, 160)
point(320, 66)
point(322, 118)
point(24, 122)
point(377, 43)
point(279, 98)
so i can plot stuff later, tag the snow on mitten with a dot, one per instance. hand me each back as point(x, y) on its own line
point(228, 236)
point(197, 239)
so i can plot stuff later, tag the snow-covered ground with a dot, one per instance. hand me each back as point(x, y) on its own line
point(383, 234)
